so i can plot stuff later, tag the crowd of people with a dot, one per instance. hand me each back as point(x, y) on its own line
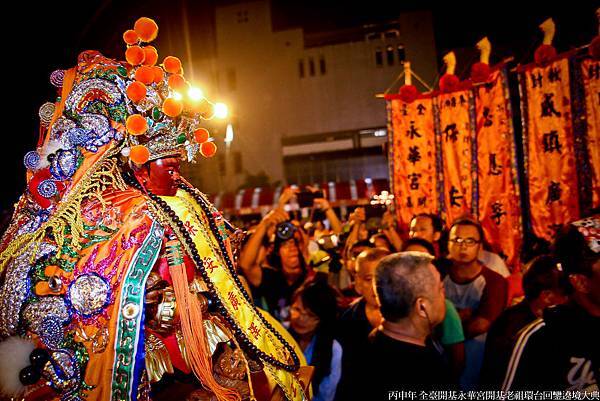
point(375, 310)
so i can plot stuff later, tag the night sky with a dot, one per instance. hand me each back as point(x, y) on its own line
point(49, 36)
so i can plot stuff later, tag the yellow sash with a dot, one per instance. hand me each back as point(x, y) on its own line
point(245, 315)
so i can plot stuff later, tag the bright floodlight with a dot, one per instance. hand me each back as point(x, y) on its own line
point(221, 110)
point(229, 134)
point(195, 94)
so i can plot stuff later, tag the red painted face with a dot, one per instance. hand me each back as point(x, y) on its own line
point(163, 176)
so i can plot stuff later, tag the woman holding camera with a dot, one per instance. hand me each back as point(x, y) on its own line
point(273, 283)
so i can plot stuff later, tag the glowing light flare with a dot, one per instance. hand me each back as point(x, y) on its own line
point(229, 134)
point(221, 110)
point(384, 198)
point(195, 94)
point(177, 96)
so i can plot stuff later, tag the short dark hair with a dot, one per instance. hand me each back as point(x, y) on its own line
point(361, 244)
point(383, 237)
point(400, 279)
point(573, 252)
point(542, 273)
point(420, 242)
point(465, 221)
point(436, 221)
point(371, 255)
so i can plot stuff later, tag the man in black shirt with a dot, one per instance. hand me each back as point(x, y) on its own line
point(560, 351)
point(355, 324)
point(400, 355)
point(543, 284)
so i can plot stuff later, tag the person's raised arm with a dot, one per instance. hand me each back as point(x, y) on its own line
point(389, 230)
point(336, 224)
point(248, 257)
point(356, 218)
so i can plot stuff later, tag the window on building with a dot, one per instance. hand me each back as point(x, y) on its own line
point(378, 57)
point(389, 51)
point(231, 79)
point(401, 54)
point(311, 67)
point(301, 68)
point(237, 163)
point(322, 65)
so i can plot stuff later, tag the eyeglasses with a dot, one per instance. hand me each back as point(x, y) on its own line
point(467, 241)
point(304, 313)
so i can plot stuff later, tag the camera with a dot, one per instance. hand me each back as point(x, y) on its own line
point(285, 231)
point(306, 198)
point(374, 211)
point(330, 244)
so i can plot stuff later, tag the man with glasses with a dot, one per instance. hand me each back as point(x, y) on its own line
point(478, 293)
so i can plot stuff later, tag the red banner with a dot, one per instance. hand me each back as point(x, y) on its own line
point(548, 146)
point(412, 157)
point(499, 199)
point(456, 134)
point(591, 83)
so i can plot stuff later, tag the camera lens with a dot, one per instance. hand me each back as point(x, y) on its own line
point(285, 230)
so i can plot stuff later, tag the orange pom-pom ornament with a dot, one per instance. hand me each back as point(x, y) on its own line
point(177, 82)
point(201, 135)
point(136, 91)
point(172, 107)
point(172, 65)
point(130, 37)
point(136, 124)
point(139, 154)
point(134, 55)
point(151, 55)
point(145, 74)
point(146, 28)
point(158, 74)
point(208, 149)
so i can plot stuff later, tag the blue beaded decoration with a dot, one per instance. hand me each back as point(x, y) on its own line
point(47, 188)
point(78, 136)
point(31, 159)
point(64, 164)
point(51, 331)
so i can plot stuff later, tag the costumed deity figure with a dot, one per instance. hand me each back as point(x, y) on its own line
point(117, 280)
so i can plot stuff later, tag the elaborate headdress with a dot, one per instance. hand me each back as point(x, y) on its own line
point(166, 110)
point(146, 111)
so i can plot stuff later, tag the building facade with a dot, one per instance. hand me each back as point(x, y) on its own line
point(303, 107)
